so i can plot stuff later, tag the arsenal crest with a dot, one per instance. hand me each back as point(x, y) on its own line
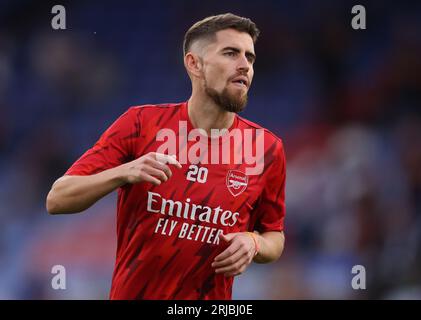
point(236, 182)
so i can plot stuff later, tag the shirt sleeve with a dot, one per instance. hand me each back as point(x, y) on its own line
point(270, 209)
point(114, 147)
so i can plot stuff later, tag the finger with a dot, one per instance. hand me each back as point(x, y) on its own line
point(232, 274)
point(158, 165)
point(232, 248)
point(235, 273)
point(229, 260)
point(164, 159)
point(228, 237)
point(161, 175)
point(233, 267)
point(153, 180)
point(243, 261)
point(176, 163)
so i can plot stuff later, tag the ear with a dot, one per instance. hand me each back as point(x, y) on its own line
point(193, 64)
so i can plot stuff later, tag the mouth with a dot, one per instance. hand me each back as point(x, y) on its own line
point(241, 82)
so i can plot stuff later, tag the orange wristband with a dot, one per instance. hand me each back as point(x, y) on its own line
point(256, 243)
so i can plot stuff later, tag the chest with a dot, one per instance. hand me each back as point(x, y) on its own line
point(207, 179)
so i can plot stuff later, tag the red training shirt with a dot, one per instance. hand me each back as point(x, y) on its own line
point(168, 235)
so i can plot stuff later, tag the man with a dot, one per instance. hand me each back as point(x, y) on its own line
point(187, 224)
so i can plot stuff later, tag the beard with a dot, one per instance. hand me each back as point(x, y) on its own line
point(227, 102)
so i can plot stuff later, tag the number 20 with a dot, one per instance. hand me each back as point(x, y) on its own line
point(197, 174)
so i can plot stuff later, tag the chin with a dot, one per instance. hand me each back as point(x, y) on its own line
point(238, 93)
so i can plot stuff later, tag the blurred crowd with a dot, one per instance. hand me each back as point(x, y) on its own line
point(345, 102)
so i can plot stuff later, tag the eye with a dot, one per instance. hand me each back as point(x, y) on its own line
point(250, 58)
point(230, 53)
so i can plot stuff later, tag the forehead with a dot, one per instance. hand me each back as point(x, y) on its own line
point(233, 38)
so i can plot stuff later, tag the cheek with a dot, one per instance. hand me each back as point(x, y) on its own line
point(251, 73)
point(216, 78)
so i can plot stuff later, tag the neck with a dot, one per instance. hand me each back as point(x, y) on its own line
point(205, 114)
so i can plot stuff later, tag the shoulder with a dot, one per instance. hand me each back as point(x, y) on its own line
point(271, 139)
point(154, 109)
point(150, 114)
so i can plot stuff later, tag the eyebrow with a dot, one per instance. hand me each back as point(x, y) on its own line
point(248, 53)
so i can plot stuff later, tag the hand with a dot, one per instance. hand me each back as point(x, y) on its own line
point(235, 259)
point(151, 167)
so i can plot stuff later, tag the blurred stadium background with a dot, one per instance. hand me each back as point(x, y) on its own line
point(345, 102)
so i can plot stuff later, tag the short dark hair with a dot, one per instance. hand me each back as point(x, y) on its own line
point(208, 27)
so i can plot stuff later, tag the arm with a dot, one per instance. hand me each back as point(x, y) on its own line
point(271, 246)
point(243, 250)
point(72, 194)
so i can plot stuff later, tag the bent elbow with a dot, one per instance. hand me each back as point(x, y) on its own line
point(54, 203)
point(51, 204)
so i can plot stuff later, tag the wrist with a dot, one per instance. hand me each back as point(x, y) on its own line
point(120, 175)
point(256, 242)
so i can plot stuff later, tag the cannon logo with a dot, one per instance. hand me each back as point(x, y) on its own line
point(236, 182)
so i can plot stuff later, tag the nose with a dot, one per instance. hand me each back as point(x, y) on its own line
point(243, 64)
